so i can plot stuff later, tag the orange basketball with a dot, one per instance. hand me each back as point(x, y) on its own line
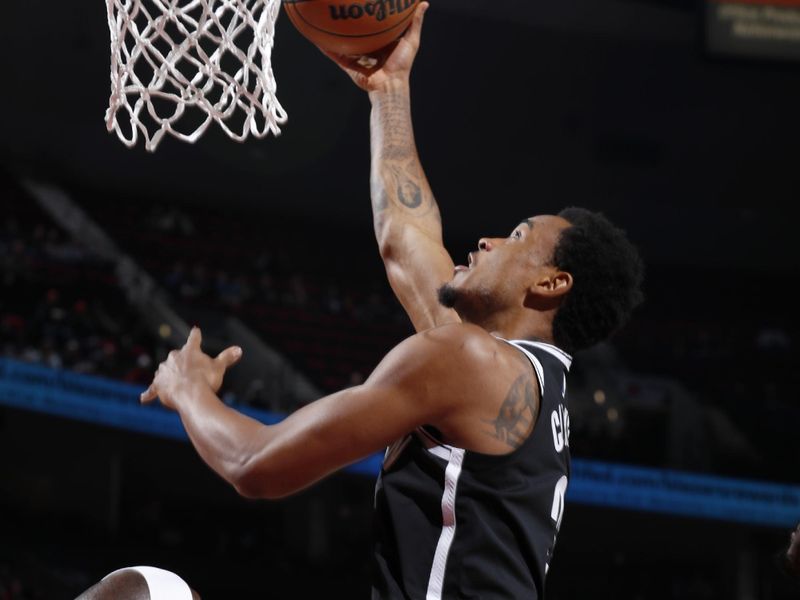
point(351, 27)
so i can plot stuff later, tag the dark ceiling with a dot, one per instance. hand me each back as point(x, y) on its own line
point(520, 108)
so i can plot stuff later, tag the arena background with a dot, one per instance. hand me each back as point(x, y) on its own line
point(667, 115)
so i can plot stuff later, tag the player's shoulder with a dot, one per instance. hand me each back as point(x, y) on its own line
point(471, 366)
point(454, 350)
point(469, 344)
point(459, 334)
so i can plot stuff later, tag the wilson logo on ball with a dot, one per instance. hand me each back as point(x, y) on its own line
point(351, 27)
point(378, 9)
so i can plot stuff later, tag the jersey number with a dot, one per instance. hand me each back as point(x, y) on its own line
point(557, 513)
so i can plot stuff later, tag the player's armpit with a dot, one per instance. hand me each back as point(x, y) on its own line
point(422, 380)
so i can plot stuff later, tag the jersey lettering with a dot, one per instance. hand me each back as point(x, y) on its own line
point(559, 422)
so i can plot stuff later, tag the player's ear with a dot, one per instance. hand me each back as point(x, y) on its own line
point(548, 290)
point(560, 283)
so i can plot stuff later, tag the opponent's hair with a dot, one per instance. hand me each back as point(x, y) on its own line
point(607, 274)
point(786, 565)
point(123, 585)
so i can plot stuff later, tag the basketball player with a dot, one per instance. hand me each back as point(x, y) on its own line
point(140, 583)
point(472, 410)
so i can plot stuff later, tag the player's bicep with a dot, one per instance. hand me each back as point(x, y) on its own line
point(342, 428)
point(416, 274)
point(335, 432)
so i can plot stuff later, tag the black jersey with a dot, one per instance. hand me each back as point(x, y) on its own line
point(453, 523)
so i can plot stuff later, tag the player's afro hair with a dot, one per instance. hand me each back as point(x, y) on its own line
point(607, 274)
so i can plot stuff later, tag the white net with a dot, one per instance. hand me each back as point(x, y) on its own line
point(178, 65)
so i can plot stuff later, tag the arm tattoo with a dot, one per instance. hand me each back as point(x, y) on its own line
point(395, 127)
point(402, 185)
point(400, 180)
point(409, 193)
point(517, 415)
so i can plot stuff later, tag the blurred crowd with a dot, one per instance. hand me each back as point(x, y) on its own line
point(218, 260)
point(60, 306)
point(330, 313)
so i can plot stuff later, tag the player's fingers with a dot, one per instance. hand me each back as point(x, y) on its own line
point(414, 32)
point(195, 339)
point(229, 356)
point(148, 395)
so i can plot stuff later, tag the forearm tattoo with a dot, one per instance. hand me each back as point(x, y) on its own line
point(394, 122)
point(399, 181)
point(408, 192)
point(517, 414)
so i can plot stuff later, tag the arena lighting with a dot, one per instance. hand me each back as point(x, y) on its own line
point(599, 397)
point(115, 404)
point(763, 29)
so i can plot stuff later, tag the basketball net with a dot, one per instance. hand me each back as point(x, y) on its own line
point(178, 65)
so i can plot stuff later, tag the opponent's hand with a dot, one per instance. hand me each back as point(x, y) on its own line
point(186, 365)
point(377, 72)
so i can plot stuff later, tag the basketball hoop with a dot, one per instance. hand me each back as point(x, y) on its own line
point(178, 65)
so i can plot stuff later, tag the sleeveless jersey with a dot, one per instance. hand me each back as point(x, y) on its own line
point(453, 523)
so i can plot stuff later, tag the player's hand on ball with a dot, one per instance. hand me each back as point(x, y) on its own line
point(393, 64)
point(187, 365)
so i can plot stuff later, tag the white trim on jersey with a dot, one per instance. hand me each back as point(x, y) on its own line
point(451, 475)
point(537, 366)
point(163, 585)
point(565, 358)
point(439, 448)
point(442, 451)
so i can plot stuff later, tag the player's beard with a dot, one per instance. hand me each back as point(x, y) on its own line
point(448, 296)
point(471, 305)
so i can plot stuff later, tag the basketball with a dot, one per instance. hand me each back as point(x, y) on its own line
point(351, 27)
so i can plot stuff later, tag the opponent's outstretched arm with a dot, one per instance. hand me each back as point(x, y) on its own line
point(423, 380)
point(406, 217)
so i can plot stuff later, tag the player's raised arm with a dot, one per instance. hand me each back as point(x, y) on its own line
point(406, 217)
